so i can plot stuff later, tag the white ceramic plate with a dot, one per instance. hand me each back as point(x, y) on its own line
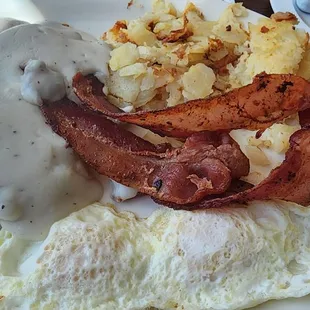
point(96, 16)
point(290, 6)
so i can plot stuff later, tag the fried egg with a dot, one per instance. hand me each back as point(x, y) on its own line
point(98, 258)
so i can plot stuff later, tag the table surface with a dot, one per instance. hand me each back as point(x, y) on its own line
point(260, 6)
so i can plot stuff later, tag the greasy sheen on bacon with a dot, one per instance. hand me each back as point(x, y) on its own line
point(269, 99)
point(205, 165)
point(290, 181)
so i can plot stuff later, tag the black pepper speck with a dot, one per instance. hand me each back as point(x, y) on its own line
point(262, 85)
point(290, 176)
point(158, 184)
point(2, 207)
point(282, 88)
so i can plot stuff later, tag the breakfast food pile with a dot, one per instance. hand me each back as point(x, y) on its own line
point(199, 115)
point(208, 163)
point(182, 56)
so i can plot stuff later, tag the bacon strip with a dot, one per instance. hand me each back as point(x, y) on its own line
point(290, 181)
point(269, 99)
point(304, 118)
point(205, 165)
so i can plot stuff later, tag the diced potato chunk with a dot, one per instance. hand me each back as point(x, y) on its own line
point(175, 94)
point(148, 81)
point(144, 97)
point(138, 34)
point(198, 82)
point(228, 27)
point(162, 6)
point(133, 70)
point(124, 55)
point(124, 87)
point(304, 66)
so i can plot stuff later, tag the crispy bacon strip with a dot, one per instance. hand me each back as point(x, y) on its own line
point(304, 118)
point(290, 181)
point(269, 99)
point(205, 164)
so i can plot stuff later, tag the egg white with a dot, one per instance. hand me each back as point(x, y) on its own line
point(97, 258)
